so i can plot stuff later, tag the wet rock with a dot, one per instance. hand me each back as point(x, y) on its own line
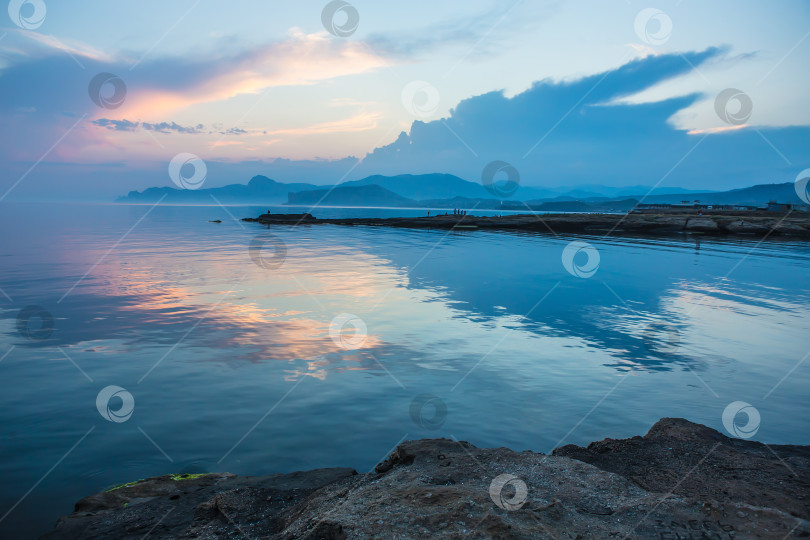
point(702, 225)
point(202, 506)
point(746, 472)
point(741, 226)
point(680, 480)
point(787, 228)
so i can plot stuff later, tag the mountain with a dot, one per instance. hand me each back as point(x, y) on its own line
point(375, 195)
point(449, 191)
point(621, 205)
point(610, 206)
point(754, 195)
point(260, 190)
point(466, 203)
point(440, 186)
point(586, 191)
point(370, 195)
point(436, 186)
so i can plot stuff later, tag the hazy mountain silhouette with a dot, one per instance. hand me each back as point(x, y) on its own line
point(367, 195)
point(375, 195)
point(449, 191)
point(413, 187)
point(259, 189)
point(754, 195)
point(440, 186)
point(448, 186)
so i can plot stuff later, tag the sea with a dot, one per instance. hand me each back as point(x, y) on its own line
point(140, 340)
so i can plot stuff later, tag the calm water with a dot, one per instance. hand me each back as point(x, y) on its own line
point(232, 366)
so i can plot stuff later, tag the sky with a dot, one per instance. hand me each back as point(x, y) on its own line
point(97, 98)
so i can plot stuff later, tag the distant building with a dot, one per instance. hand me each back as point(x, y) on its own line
point(774, 206)
point(694, 205)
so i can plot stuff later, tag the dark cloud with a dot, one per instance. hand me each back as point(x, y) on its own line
point(166, 127)
point(161, 127)
point(117, 125)
point(577, 132)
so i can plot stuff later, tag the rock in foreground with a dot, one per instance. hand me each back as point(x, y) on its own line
point(681, 480)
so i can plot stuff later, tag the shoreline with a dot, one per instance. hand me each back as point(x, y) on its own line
point(680, 480)
point(756, 225)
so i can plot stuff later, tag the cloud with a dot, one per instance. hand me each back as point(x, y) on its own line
point(162, 127)
point(117, 125)
point(166, 127)
point(720, 129)
point(556, 133)
point(483, 33)
point(358, 122)
point(170, 85)
point(43, 75)
point(584, 131)
point(23, 45)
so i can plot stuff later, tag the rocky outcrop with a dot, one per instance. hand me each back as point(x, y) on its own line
point(756, 225)
point(702, 224)
point(283, 218)
point(195, 506)
point(681, 480)
point(741, 226)
point(751, 474)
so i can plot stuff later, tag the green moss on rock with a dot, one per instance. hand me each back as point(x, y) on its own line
point(128, 484)
point(187, 476)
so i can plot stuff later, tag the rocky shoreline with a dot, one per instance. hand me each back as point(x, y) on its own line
point(794, 225)
point(680, 480)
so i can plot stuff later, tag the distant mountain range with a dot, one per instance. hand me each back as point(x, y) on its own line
point(361, 195)
point(448, 191)
point(260, 190)
point(440, 186)
point(755, 195)
point(401, 190)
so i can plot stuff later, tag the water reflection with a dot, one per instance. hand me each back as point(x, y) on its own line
point(518, 349)
point(652, 305)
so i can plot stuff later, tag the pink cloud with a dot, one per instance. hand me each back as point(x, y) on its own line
point(303, 59)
